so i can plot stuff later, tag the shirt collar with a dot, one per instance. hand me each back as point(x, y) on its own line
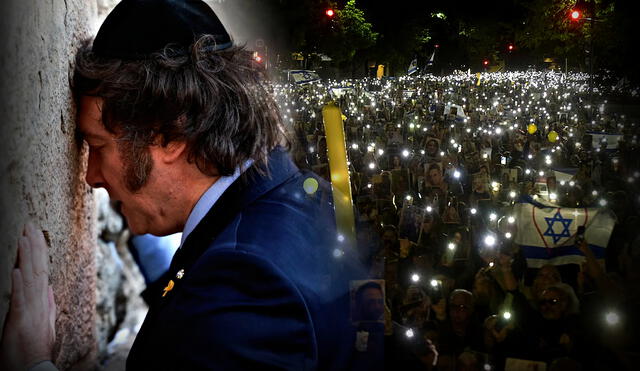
point(209, 198)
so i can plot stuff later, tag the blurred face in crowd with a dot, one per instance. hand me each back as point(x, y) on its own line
point(389, 237)
point(396, 162)
point(461, 308)
point(372, 304)
point(553, 304)
point(547, 276)
point(432, 148)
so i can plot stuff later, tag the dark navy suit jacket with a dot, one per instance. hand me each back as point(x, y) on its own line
point(261, 288)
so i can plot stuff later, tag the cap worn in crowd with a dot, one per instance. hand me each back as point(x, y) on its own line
point(135, 29)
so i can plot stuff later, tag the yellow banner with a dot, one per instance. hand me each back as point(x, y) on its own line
point(340, 183)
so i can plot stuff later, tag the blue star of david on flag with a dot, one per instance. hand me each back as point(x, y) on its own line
point(557, 218)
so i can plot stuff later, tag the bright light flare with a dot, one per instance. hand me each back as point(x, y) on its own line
point(612, 318)
point(489, 240)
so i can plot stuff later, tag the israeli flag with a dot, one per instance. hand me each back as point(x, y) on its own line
point(430, 63)
point(413, 67)
point(460, 116)
point(547, 233)
point(302, 77)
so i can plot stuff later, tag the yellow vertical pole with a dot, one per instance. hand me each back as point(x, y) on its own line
point(380, 72)
point(340, 183)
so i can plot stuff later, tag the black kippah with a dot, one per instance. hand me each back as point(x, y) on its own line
point(137, 28)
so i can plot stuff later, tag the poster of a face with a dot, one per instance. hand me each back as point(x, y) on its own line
point(509, 175)
point(435, 177)
point(432, 147)
point(451, 215)
point(367, 301)
point(480, 184)
point(458, 244)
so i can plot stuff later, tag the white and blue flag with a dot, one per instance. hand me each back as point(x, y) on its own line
point(413, 67)
point(455, 110)
point(430, 63)
point(301, 77)
point(546, 233)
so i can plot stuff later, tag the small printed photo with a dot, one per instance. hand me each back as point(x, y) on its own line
point(451, 214)
point(432, 147)
point(367, 301)
point(511, 175)
point(480, 188)
point(435, 177)
point(411, 218)
point(430, 219)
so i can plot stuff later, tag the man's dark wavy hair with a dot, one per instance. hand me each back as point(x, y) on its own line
point(216, 101)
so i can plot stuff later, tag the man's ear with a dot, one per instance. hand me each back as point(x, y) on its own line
point(172, 151)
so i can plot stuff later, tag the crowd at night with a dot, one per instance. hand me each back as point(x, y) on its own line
point(445, 173)
point(320, 185)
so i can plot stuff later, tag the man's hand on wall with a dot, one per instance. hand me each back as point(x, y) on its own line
point(29, 331)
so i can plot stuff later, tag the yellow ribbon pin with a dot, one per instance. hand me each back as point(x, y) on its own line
point(168, 288)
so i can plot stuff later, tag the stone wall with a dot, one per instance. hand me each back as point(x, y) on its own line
point(42, 163)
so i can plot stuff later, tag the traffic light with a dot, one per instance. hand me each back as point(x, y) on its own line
point(510, 47)
point(575, 15)
point(485, 62)
point(330, 13)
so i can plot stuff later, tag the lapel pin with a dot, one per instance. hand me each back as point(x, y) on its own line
point(180, 274)
point(168, 288)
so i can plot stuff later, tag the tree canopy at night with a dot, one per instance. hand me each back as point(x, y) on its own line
point(513, 34)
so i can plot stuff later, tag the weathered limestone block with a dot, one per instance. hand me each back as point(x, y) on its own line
point(42, 163)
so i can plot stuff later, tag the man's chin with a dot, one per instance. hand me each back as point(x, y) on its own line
point(135, 227)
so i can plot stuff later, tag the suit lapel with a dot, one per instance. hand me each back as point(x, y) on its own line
point(246, 189)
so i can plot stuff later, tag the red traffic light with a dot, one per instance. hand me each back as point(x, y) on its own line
point(485, 62)
point(575, 15)
point(329, 13)
point(510, 47)
point(437, 46)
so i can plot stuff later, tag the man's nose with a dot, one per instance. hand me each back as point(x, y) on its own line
point(94, 174)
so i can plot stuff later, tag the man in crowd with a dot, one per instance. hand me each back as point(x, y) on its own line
point(182, 132)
